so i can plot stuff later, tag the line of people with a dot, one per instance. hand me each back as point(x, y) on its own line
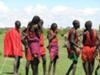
point(33, 41)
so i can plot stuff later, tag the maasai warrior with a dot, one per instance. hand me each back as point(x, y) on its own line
point(53, 47)
point(42, 48)
point(28, 53)
point(72, 47)
point(34, 42)
point(89, 47)
point(13, 46)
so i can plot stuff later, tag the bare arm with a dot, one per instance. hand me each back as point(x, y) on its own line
point(97, 46)
point(50, 37)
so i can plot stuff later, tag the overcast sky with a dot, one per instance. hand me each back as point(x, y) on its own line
point(63, 12)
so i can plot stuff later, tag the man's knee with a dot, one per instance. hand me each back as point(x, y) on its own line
point(17, 60)
point(36, 61)
point(27, 65)
point(44, 61)
point(75, 62)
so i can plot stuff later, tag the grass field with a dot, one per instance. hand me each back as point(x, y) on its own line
point(63, 63)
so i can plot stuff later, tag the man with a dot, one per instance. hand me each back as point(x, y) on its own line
point(13, 46)
point(42, 48)
point(28, 54)
point(71, 46)
point(89, 46)
point(33, 39)
point(53, 47)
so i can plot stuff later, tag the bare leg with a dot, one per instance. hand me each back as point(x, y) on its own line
point(97, 69)
point(32, 67)
point(85, 67)
point(70, 68)
point(16, 65)
point(44, 65)
point(74, 67)
point(91, 67)
point(35, 66)
point(27, 67)
point(50, 65)
point(54, 66)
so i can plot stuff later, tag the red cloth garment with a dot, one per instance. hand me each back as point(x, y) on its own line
point(53, 46)
point(12, 44)
point(89, 47)
point(34, 44)
point(42, 48)
point(28, 54)
point(88, 53)
point(7, 45)
point(72, 30)
point(90, 41)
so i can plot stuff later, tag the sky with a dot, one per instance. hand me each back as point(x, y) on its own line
point(62, 12)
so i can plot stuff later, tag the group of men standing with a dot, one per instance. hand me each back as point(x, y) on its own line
point(33, 41)
point(88, 50)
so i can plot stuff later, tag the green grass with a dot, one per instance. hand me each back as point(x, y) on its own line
point(63, 63)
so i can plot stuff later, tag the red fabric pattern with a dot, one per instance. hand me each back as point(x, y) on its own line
point(12, 44)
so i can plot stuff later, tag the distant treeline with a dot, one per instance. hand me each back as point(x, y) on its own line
point(61, 31)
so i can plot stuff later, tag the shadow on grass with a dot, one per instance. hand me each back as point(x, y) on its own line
point(11, 73)
point(0, 54)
